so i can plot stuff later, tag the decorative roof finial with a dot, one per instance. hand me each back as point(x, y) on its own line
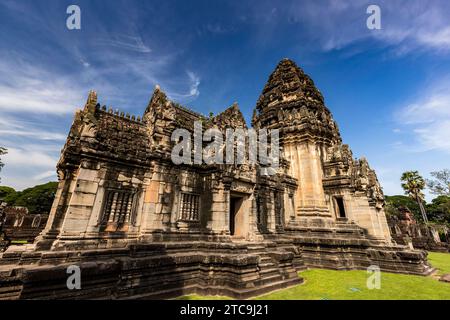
point(91, 102)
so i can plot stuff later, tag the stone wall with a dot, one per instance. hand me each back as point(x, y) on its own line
point(407, 231)
point(20, 227)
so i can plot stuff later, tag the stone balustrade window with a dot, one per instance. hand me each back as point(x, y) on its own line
point(36, 221)
point(19, 221)
point(190, 207)
point(119, 207)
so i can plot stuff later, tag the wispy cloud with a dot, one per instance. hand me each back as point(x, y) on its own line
point(44, 175)
point(28, 129)
point(428, 117)
point(45, 78)
point(407, 25)
point(28, 167)
point(193, 91)
point(25, 87)
point(133, 43)
point(23, 157)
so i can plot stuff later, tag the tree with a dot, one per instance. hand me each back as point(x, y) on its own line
point(3, 151)
point(413, 184)
point(440, 185)
point(393, 203)
point(38, 199)
point(5, 192)
point(439, 209)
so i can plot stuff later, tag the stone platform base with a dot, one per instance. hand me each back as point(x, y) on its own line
point(170, 265)
point(445, 278)
point(152, 271)
point(345, 246)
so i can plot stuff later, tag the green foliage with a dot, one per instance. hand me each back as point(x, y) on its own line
point(38, 199)
point(440, 185)
point(5, 192)
point(439, 209)
point(413, 184)
point(393, 203)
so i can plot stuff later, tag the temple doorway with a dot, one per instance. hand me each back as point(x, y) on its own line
point(237, 216)
point(340, 207)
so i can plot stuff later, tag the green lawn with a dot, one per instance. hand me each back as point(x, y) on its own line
point(351, 285)
point(441, 261)
point(323, 284)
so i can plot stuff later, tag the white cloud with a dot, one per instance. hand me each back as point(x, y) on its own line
point(133, 43)
point(428, 118)
point(438, 39)
point(194, 92)
point(28, 166)
point(45, 175)
point(407, 25)
point(25, 87)
point(431, 107)
point(435, 136)
point(13, 126)
point(195, 82)
point(22, 157)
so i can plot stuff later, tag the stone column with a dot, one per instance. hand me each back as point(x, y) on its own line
point(80, 207)
point(220, 222)
point(271, 220)
point(67, 180)
point(307, 169)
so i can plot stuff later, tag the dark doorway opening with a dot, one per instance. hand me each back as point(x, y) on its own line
point(340, 207)
point(235, 206)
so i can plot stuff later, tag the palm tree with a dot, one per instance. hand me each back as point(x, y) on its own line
point(413, 184)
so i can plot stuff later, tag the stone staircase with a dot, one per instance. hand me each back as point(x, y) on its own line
point(276, 266)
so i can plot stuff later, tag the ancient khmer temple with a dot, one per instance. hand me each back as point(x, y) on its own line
point(141, 227)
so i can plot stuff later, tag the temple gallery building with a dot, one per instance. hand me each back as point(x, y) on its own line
point(139, 226)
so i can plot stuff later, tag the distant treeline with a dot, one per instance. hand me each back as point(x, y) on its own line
point(437, 211)
point(38, 199)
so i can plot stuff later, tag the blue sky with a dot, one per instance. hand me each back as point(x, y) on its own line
point(388, 89)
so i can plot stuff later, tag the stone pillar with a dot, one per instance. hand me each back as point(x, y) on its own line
point(271, 220)
point(151, 220)
point(59, 209)
point(254, 234)
point(306, 167)
point(220, 222)
point(81, 205)
point(289, 206)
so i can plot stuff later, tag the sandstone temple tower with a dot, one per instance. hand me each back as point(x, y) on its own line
point(141, 226)
point(332, 186)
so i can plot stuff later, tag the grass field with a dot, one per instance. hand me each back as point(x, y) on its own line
point(441, 261)
point(323, 284)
